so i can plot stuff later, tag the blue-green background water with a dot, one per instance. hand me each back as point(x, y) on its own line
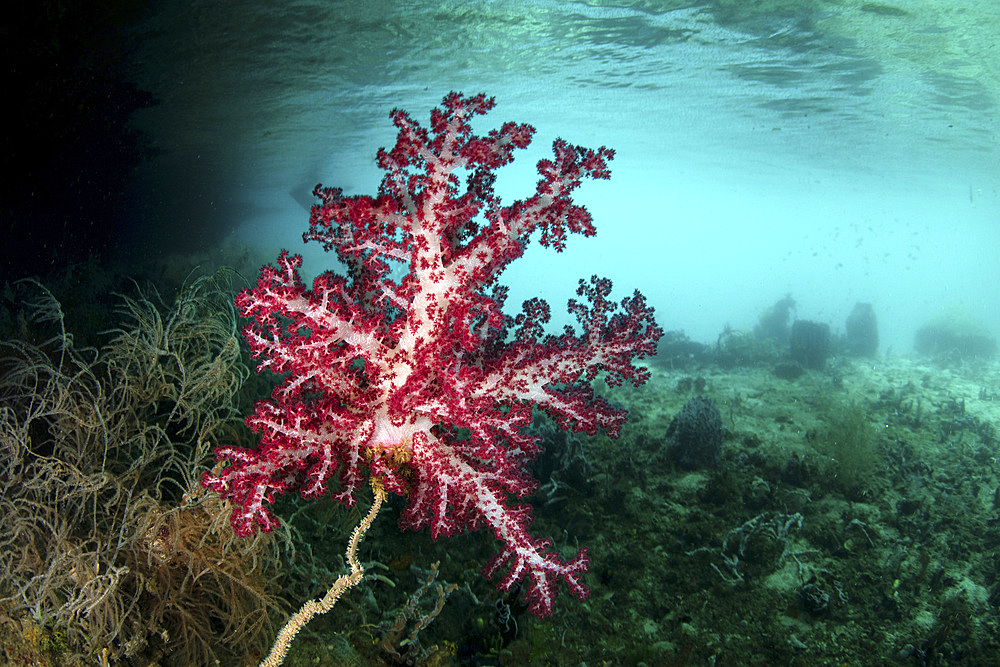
point(842, 151)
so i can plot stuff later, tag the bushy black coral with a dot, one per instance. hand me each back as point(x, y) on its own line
point(695, 435)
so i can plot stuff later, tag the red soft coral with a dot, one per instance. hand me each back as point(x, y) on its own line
point(421, 380)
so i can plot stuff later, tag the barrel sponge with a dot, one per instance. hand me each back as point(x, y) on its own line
point(810, 343)
point(862, 330)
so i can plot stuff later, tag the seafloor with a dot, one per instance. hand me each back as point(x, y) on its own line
point(851, 518)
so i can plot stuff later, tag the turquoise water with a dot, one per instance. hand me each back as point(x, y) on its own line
point(841, 152)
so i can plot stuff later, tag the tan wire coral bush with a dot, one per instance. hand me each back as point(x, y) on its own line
point(187, 360)
point(105, 534)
